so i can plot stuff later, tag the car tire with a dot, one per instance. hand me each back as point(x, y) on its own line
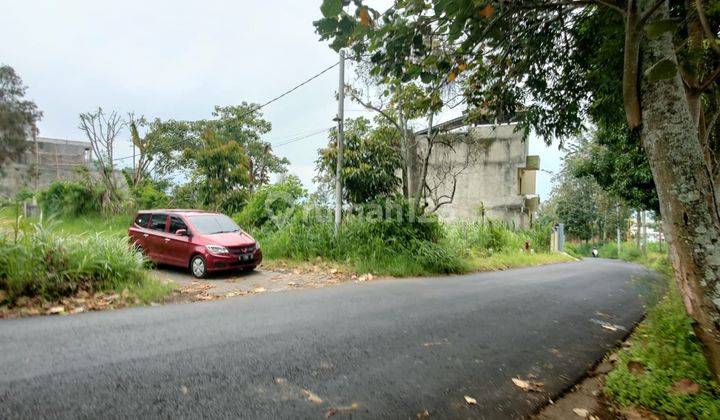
point(198, 268)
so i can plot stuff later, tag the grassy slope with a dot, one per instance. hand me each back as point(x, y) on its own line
point(666, 346)
point(146, 291)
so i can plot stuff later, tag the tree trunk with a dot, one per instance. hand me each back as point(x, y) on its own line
point(684, 189)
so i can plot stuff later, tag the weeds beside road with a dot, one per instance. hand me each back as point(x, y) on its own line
point(661, 369)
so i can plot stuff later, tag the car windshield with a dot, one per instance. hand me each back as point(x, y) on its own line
point(207, 224)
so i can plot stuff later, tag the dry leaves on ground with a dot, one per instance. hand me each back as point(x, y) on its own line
point(527, 385)
point(685, 386)
point(581, 412)
point(470, 400)
point(636, 368)
point(312, 397)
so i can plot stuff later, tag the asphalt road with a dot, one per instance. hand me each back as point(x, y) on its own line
point(382, 349)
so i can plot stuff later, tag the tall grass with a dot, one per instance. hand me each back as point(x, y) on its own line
point(43, 263)
point(402, 246)
point(378, 246)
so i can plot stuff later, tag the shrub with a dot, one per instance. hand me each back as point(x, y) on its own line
point(398, 245)
point(42, 263)
point(269, 201)
point(71, 199)
point(148, 196)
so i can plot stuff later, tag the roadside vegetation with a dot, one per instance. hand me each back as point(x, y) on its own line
point(37, 262)
point(663, 369)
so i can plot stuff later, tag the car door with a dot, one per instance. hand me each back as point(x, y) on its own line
point(178, 247)
point(156, 237)
point(138, 230)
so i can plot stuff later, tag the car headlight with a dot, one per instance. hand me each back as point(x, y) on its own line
point(217, 249)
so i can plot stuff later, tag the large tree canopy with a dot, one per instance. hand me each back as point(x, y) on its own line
point(17, 115)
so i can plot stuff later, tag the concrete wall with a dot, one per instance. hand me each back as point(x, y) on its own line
point(492, 158)
point(51, 160)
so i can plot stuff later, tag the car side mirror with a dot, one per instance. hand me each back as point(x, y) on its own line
point(181, 232)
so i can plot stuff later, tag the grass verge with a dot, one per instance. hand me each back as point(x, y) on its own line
point(40, 263)
point(664, 369)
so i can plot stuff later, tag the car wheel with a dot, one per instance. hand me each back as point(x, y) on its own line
point(197, 267)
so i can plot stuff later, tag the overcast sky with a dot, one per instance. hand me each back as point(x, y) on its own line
point(177, 59)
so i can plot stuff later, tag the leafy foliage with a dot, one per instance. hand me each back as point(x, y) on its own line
point(271, 201)
point(18, 115)
point(219, 172)
point(580, 203)
point(70, 198)
point(371, 158)
point(244, 125)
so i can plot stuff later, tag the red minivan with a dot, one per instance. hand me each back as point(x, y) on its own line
point(199, 240)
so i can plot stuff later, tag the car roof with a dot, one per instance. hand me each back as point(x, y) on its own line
point(184, 212)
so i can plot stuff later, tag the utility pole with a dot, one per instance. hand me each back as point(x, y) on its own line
point(340, 143)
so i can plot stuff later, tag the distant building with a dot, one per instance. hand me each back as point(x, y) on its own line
point(45, 160)
point(482, 172)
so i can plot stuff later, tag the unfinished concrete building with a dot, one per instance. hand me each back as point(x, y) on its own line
point(481, 172)
point(45, 160)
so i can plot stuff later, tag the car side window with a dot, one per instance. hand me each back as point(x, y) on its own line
point(142, 220)
point(176, 223)
point(157, 222)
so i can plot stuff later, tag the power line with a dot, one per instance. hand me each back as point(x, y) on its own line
point(310, 79)
point(324, 130)
point(287, 92)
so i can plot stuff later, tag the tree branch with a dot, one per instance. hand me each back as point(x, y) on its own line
point(710, 80)
point(709, 34)
point(648, 13)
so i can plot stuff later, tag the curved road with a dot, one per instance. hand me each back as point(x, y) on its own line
point(383, 349)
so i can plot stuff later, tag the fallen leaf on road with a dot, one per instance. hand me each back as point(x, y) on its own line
point(333, 410)
point(470, 400)
point(581, 412)
point(609, 327)
point(528, 385)
point(685, 386)
point(183, 390)
point(423, 415)
point(312, 397)
point(636, 368)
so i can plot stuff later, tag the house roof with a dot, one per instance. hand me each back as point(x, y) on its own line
point(461, 122)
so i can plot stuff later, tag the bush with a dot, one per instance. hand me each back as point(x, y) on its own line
point(148, 196)
point(399, 245)
point(269, 201)
point(42, 263)
point(71, 199)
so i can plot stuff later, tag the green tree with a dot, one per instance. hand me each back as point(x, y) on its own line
point(159, 146)
point(371, 159)
point(220, 171)
point(18, 115)
point(519, 56)
point(244, 124)
point(588, 211)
